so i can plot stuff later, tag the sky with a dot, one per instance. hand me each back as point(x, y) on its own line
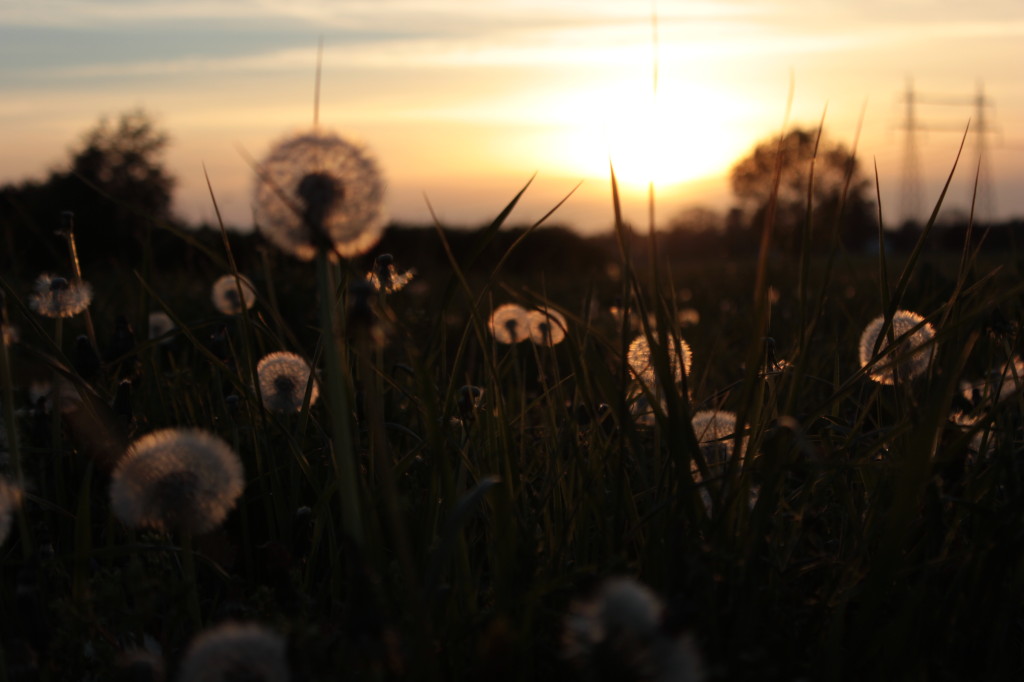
point(463, 101)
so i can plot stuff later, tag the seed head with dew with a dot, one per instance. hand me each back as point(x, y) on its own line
point(547, 327)
point(642, 364)
point(385, 277)
point(317, 191)
point(618, 634)
point(176, 479)
point(912, 354)
point(235, 651)
point(283, 378)
point(224, 294)
point(509, 324)
point(10, 500)
point(58, 297)
point(160, 327)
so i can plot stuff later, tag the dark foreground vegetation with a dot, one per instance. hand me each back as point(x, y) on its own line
point(439, 505)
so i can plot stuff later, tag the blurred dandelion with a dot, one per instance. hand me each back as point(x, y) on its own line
point(385, 277)
point(317, 191)
point(983, 438)
point(283, 378)
point(641, 408)
point(618, 634)
point(176, 479)
point(641, 364)
point(161, 326)
point(10, 334)
point(10, 499)
point(911, 355)
point(998, 385)
point(141, 665)
point(547, 327)
point(235, 651)
point(67, 395)
point(57, 297)
point(688, 317)
point(469, 400)
point(225, 294)
point(509, 324)
point(715, 431)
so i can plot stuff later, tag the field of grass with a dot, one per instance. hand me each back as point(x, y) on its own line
point(439, 505)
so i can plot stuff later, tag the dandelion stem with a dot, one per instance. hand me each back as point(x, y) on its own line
point(188, 567)
point(338, 402)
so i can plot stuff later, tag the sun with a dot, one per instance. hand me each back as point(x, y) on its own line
point(681, 133)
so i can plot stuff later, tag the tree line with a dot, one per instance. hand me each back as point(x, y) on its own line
point(118, 191)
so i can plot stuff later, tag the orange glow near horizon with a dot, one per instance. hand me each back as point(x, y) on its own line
point(680, 134)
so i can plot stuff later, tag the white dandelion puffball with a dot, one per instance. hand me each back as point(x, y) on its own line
point(235, 651)
point(224, 294)
point(642, 365)
point(622, 607)
point(618, 633)
point(283, 378)
point(910, 357)
point(10, 499)
point(176, 479)
point(160, 326)
point(715, 431)
point(509, 324)
point(57, 297)
point(318, 191)
point(547, 327)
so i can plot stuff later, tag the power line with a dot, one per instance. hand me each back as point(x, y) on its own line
point(980, 128)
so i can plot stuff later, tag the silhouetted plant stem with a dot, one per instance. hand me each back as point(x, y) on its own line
point(339, 401)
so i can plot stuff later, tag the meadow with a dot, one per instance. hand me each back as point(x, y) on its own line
point(433, 485)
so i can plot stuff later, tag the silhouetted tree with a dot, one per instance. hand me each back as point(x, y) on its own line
point(835, 168)
point(115, 184)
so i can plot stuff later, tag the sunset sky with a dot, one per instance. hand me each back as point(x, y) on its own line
point(463, 100)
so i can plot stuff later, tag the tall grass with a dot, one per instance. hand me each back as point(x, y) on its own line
point(437, 513)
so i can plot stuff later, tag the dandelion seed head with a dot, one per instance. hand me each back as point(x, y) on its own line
point(160, 326)
point(983, 440)
point(622, 608)
point(509, 324)
point(283, 377)
point(385, 277)
point(618, 633)
point(57, 297)
point(715, 431)
point(912, 354)
point(235, 651)
point(546, 327)
point(317, 190)
point(998, 385)
point(641, 408)
point(224, 294)
point(176, 479)
point(469, 399)
point(638, 356)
